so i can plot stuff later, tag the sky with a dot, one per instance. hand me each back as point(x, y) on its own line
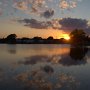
point(44, 18)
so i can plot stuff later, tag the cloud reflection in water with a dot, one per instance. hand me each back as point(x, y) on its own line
point(75, 57)
point(39, 79)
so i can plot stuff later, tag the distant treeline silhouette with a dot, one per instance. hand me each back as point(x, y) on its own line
point(77, 37)
point(12, 39)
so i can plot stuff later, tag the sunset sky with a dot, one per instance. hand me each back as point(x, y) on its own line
point(57, 18)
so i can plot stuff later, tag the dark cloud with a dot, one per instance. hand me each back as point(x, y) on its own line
point(73, 23)
point(48, 13)
point(33, 23)
point(65, 24)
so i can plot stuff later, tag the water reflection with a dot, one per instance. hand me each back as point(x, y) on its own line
point(49, 68)
point(75, 57)
point(78, 53)
point(1, 74)
point(67, 61)
point(34, 59)
point(38, 79)
point(11, 49)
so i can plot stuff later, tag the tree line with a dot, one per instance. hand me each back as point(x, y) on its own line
point(77, 37)
point(12, 39)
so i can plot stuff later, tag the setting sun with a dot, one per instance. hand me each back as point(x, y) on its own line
point(66, 36)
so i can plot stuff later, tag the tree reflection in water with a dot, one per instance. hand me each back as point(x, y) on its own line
point(78, 53)
point(12, 49)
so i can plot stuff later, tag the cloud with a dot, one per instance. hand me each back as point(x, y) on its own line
point(69, 24)
point(0, 3)
point(32, 6)
point(65, 24)
point(64, 4)
point(21, 5)
point(48, 13)
point(33, 23)
point(34, 9)
point(55, 24)
point(1, 11)
point(38, 3)
point(39, 7)
point(68, 4)
point(73, 4)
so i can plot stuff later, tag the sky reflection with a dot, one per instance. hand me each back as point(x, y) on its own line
point(76, 56)
point(30, 68)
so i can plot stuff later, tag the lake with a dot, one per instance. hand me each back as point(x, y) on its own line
point(44, 67)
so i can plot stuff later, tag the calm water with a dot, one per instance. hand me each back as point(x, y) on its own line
point(44, 67)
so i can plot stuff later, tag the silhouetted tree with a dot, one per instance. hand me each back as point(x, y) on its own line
point(37, 38)
point(77, 37)
point(62, 40)
point(25, 38)
point(11, 38)
point(2, 40)
point(50, 38)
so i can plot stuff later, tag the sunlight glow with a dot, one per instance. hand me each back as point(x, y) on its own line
point(66, 36)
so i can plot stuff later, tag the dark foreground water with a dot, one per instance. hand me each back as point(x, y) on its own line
point(44, 67)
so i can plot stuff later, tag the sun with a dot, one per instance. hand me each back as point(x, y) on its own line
point(66, 36)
